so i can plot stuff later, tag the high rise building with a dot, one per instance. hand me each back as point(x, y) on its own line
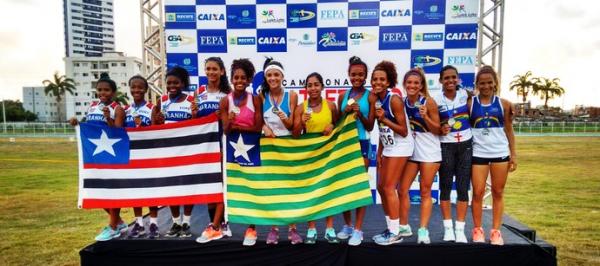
point(89, 28)
point(85, 71)
point(44, 106)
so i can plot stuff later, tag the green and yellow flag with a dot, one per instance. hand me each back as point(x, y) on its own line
point(298, 180)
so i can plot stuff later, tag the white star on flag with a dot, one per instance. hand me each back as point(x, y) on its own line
point(104, 144)
point(241, 149)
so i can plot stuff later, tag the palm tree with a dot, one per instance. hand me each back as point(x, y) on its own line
point(58, 88)
point(548, 89)
point(121, 97)
point(524, 84)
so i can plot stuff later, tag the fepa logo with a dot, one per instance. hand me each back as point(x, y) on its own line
point(395, 13)
point(298, 15)
point(461, 36)
point(180, 17)
point(328, 39)
point(211, 40)
point(426, 60)
point(394, 37)
point(179, 40)
point(211, 17)
point(332, 14)
point(461, 60)
point(459, 11)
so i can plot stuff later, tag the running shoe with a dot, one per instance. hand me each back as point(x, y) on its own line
point(405, 231)
point(388, 238)
point(294, 237)
point(311, 236)
point(478, 236)
point(356, 238)
point(449, 234)
point(122, 227)
point(175, 231)
point(153, 231)
point(273, 236)
point(423, 236)
point(380, 235)
point(330, 236)
point(225, 229)
point(136, 231)
point(107, 234)
point(346, 232)
point(250, 237)
point(185, 230)
point(209, 234)
point(496, 237)
point(460, 236)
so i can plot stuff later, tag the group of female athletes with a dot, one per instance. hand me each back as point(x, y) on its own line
point(454, 133)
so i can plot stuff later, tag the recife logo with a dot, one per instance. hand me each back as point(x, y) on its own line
point(212, 41)
point(241, 16)
point(460, 11)
point(363, 14)
point(301, 15)
point(429, 37)
point(429, 60)
point(461, 36)
point(235, 40)
point(332, 39)
point(271, 40)
point(180, 17)
point(394, 37)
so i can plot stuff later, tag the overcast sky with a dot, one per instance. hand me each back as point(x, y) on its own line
point(558, 38)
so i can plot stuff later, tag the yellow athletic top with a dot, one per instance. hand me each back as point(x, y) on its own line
point(318, 121)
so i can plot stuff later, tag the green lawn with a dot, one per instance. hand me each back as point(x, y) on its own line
point(555, 190)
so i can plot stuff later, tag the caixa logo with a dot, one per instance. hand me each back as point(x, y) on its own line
point(461, 36)
point(211, 17)
point(395, 13)
point(212, 41)
point(180, 17)
point(179, 40)
point(271, 40)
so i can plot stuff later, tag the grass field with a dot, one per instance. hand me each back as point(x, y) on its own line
point(555, 190)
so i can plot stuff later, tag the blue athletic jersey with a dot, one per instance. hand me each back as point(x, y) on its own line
point(417, 123)
point(144, 112)
point(95, 114)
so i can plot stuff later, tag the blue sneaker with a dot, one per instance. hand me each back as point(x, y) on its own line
point(153, 231)
point(136, 231)
point(330, 236)
point(107, 234)
point(405, 231)
point(345, 232)
point(122, 227)
point(356, 239)
point(380, 235)
point(311, 236)
point(388, 238)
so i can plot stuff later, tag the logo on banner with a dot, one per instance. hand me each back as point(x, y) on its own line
point(304, 41)
point(212, 41)
point(426, 61)
point(332, 39)
point(268, 17)
point(428, 12)
point(241, 17)
point(356, 38)
point(459, 11)
point(461, 36)
point(179, 40)
point(187, 61)
point(429, 37)
point(272, 40)
point(301, 15)
point(332, 14)
point(395, 13)
point(329, 39)
point(233, 40)
point(394, 37)
point(363, 14)
point(461, 60)
point(180, 17)
point(211, 17)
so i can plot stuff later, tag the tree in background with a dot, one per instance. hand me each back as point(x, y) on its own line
point(58, 87)
point(121, 97)
point(547, 89)
point(523, 84)
point(16, 113)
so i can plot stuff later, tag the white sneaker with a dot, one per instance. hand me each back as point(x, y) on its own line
point(460, 235)
point(423, 236)
point(449, 234)
point(405, 231)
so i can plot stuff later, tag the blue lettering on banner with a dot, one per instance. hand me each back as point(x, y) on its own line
point(332, 39)
point(461, 60)
point(180, 17)
point(271, 40)
point(212, 41)
point(211, 17)
point(241, 16)
point(302, 15)
point(429, 60)
point(395, 12)
point(363, 14)
point(429, 12)
point(461, 36)
point(332, 14)
point(187, 61)
point(394, 37)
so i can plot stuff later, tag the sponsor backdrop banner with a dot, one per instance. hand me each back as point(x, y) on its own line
point(321, 35)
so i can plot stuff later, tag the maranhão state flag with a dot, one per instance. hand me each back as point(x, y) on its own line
point(170, 164)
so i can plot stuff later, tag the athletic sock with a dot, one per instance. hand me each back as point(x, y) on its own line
point(186, 219)
point(394, 226)
point(387, 221)
point(140, 220)
point(154, 220)
point(176, 220)
point(448, 223)
point(460, 225)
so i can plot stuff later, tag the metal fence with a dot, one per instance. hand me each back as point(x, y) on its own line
point(521, 128)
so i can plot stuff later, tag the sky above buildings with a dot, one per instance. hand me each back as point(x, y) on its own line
point(559, 38)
